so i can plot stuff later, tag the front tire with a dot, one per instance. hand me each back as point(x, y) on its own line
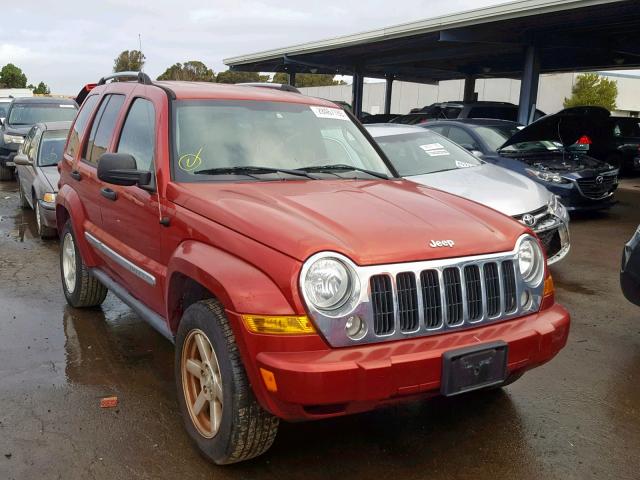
point(81, 289)
point(44, 231)
point(220, 412)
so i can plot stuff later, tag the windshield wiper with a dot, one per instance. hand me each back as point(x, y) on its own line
point(251, 170)
point(343, 166)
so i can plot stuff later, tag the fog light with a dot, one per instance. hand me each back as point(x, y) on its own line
point(525, 299)
point(355, 327)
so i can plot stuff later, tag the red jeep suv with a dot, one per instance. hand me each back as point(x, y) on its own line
point(268, 236)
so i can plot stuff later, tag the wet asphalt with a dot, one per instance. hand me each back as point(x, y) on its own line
point(576, 417)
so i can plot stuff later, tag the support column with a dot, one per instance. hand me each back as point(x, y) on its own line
point(470, 89)
point(292, 78)
point(356, 93)
point(529, 85)
point(387, 94)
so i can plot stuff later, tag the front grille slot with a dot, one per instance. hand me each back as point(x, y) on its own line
point(492, 286)
point(473, 287)
point(407, 301)
point(382, 301)
point(431, 298)
point(592, 189)
point(453, 295)
point(509, 283)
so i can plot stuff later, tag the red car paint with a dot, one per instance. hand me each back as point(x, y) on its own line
point(245, 243)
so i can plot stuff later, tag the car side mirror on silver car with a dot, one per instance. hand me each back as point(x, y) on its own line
point(22, 159)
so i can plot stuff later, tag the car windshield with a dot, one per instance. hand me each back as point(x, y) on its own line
point(31, 113)
point(424, 152)
point(496, 136)
point(214, 139)
point(51, 147)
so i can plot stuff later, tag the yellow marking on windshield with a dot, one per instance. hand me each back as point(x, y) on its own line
point(189, 161)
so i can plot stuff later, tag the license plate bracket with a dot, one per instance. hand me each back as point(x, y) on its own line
point(473, 368)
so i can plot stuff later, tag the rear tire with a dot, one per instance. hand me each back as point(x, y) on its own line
point(228, 425)
point(6, 173)
point(81, 289)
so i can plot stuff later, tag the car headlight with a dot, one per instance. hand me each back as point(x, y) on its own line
point(328, 283)
point(546, 176)
point(530, 261)
point(13, 138)
point(49, 198)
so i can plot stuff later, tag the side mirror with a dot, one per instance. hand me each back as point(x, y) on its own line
point(120, 169)
point(22, 159)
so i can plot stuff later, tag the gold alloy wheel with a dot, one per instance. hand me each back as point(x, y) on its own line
point(202, 383)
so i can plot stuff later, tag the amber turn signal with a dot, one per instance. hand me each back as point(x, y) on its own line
point(548, 286)
point(279, 325)
point(269, 380)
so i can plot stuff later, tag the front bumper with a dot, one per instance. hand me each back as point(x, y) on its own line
point(48, 214)
point(323, 383)
point(574, 201)
point(6, 157)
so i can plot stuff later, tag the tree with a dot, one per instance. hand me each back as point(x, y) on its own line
point(192, 71)
point(309, 79)
point(593, 90)
point(12, 77)
point(42, 89)
point(129, 61)
point(230, 76)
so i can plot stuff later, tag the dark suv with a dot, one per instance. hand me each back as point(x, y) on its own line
point(452, 110)
point(23, 114)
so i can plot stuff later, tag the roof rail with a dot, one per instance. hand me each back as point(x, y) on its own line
point(140, 76)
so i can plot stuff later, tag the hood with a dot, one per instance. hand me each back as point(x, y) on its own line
point(371, 222)
point(508, 192)
point(566, 126)
point(52, 176)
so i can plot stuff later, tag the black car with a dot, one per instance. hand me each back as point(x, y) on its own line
point(581, 182)
point(22, 115)
point(623, 147)
point(630, 270)
point(457, 110)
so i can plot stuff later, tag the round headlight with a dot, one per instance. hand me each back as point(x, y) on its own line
point(530, 261)
point(328, 284)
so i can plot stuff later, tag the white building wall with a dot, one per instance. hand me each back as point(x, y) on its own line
point(552, 91)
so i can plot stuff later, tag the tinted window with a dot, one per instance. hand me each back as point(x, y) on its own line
point(24, 148)
point(452, 112)
point(462, 138)
point(138, 135)
point(32, 113)
point(628, 127)
point(103, 126)
point(502, 113)
point(4, 108)
point(80, 124)
point(33, 146)
point(424, 152)
point(220, 134)
point(51, 147)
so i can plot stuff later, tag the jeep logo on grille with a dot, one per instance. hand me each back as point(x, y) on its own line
point(529, 220)
point(599, 179)
point(441, 243)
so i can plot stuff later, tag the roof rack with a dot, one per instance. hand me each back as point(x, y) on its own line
point(140, 76)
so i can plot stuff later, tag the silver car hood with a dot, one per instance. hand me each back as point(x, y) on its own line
point(52, 176)
point(508, 192)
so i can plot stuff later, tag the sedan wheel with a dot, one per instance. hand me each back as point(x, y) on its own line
point(202, 383)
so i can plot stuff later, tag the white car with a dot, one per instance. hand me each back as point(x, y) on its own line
point(428, 158)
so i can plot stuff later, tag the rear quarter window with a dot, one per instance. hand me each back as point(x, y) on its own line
point(80, 125)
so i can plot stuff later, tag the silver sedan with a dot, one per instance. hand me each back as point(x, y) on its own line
point(430, 159)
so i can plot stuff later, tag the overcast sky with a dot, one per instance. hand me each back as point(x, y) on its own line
point(68, 43)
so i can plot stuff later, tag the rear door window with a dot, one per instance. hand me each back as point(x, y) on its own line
point(138, 137)
point(80, 125)
point(103, 126)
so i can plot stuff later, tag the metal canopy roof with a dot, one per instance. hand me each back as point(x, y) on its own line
point(569, 35)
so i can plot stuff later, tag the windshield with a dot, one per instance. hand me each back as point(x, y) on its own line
point(30, 113)
point(51, 147)
point(424, 152)
point(215, 138)
point(496, 136)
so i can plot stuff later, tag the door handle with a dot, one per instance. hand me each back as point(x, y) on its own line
point(109, 194)
point(76, 175)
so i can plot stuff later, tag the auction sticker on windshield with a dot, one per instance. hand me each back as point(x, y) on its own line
point(326, 112)
point(434, 150)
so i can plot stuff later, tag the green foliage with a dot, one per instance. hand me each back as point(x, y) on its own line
point(41, 89)
point(229, 76)
point(308, 79)
point(591, 89)
point(12, 77)
point(129, 61)
point(191, 71)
